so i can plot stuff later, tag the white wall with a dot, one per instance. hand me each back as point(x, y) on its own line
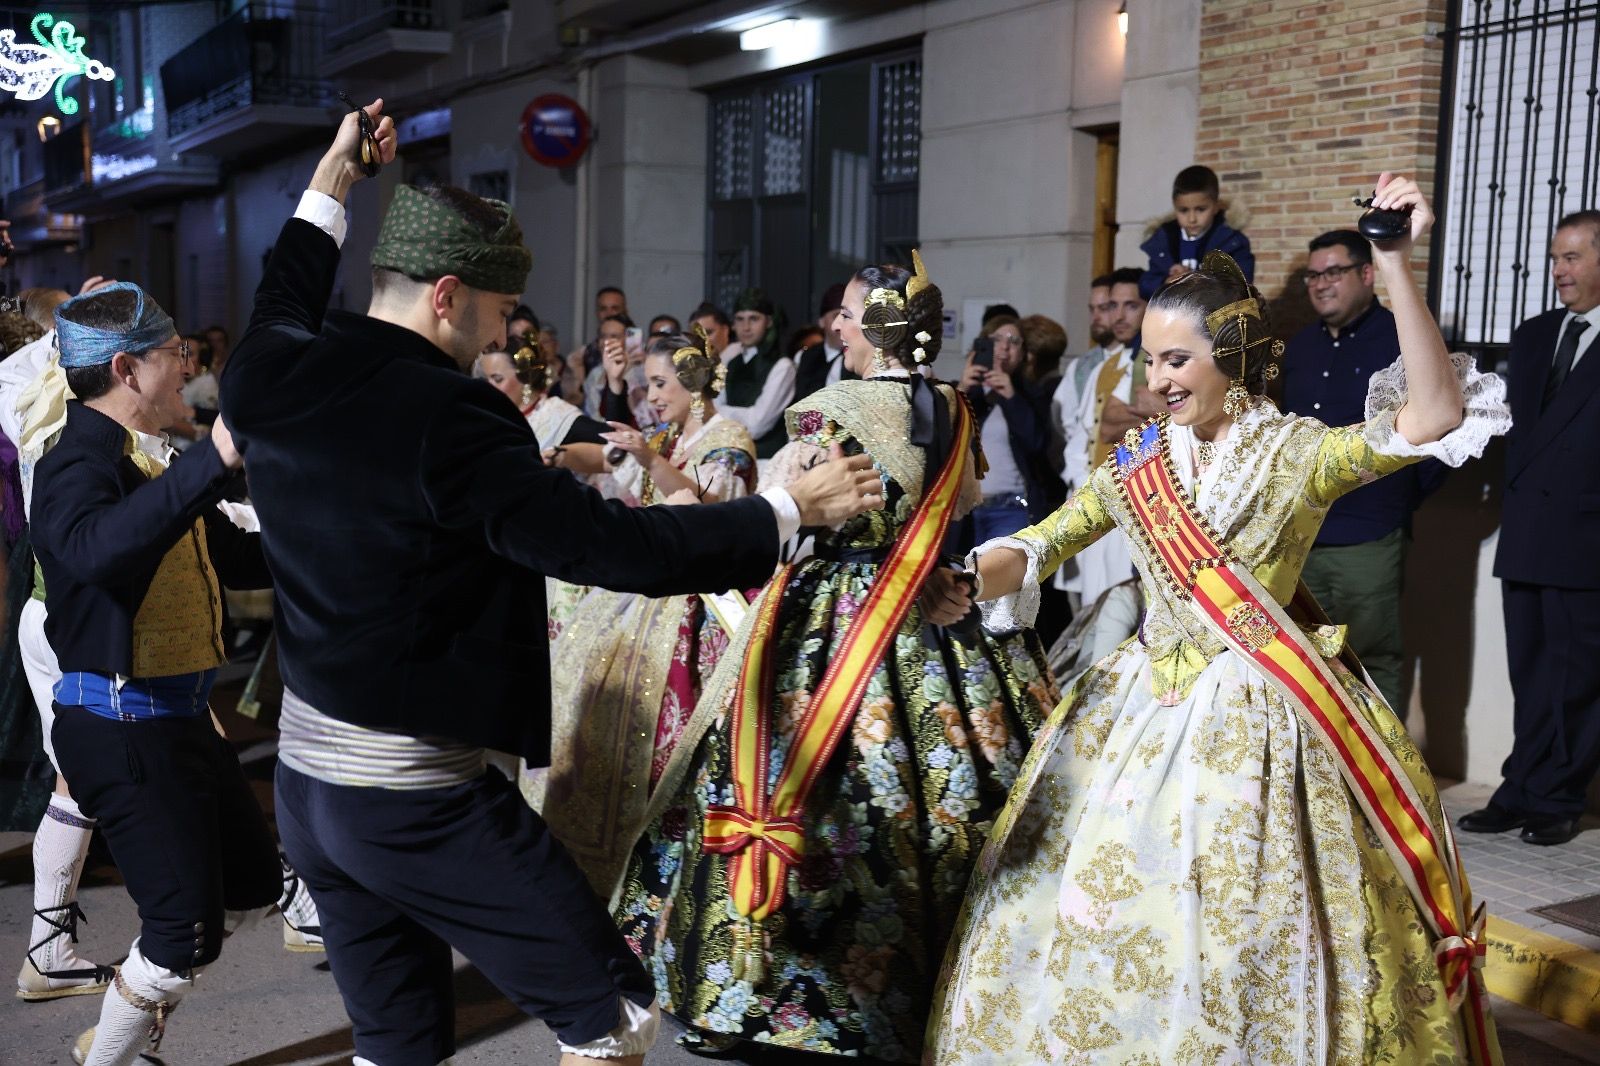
point(485, 135)
point(1007, 193)
point(1160, 112)
point(649, 187)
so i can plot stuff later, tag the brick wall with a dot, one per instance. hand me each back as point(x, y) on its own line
point(1302, 105)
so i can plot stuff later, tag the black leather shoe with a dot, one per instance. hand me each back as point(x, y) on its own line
point(1549, 831)
point(1491, 819)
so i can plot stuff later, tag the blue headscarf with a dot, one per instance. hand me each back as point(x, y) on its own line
point(89, 346)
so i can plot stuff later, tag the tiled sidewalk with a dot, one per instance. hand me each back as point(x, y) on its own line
point(1533, 961)
point(1513, 877)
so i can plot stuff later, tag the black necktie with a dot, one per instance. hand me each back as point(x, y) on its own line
point(1565, 353)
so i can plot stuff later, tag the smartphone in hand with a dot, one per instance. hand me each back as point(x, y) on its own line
point(983, 352)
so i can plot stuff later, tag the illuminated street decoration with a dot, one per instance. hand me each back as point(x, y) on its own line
point(29, 70)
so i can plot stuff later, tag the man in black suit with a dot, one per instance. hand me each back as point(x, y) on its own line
point(1547, 556)
point(408, 522)
point(822, 364)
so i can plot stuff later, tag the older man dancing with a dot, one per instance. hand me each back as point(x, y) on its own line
point(132, 548)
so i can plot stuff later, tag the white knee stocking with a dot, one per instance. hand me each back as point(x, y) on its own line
point(133, 1015)
point(59, 848)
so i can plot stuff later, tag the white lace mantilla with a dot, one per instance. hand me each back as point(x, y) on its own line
point(1485, 413)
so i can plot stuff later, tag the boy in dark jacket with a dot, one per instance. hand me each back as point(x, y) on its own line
point(1199, 225)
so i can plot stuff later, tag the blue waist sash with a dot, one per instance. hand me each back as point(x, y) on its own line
point(135, 699)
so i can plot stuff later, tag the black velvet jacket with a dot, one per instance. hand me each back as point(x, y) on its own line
point(408, 520)
point(1550, 522)
point(100, 529)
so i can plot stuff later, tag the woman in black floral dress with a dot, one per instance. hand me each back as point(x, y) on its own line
point(898, 811)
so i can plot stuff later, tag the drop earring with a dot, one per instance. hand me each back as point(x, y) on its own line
point(527, 395)
point(1236, 400)
point(880, 365)
point(697, 409)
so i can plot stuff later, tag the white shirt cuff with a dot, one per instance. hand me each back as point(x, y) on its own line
point(786, 511)
point(325, 213)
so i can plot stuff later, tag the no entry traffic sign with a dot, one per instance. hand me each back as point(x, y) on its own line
point(555, 130)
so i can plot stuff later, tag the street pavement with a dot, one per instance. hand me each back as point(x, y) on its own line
point(260, 1005)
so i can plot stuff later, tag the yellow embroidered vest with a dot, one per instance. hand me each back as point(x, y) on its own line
point(1104, 387)
point(178, 629)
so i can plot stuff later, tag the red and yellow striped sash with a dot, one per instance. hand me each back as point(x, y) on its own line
point(763, 830)
point(1226, 595)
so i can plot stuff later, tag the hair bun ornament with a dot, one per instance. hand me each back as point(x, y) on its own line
point(883, 321)
point(697, 369)
point(919, 276)
point(1222, 265)
point(530, 366)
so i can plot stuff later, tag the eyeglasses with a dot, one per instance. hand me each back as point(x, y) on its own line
point(183, 348)
point(1333, 273)
point(1003, 341)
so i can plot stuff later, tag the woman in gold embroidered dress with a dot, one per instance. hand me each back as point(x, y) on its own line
point(1182, 874)
point(626, 669)
point(845, 964)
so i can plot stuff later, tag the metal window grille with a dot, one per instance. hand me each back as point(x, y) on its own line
point(734, 148)
point(783, 140)
point(899, 112)
point(1521, 148)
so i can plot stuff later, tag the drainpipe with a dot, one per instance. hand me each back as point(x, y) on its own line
point(582, 232)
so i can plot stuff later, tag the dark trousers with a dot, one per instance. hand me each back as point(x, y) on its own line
point(1553, 648)
point(401, 877)
point(183, 826)
point(1359, 586)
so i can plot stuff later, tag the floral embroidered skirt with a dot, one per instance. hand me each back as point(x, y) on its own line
point(625, 673)
point(893, 827)
point(1191, 884)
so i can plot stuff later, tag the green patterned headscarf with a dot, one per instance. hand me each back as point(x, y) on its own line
point(426, 238)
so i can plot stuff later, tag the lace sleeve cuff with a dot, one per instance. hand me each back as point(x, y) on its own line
point(1007, 614)
point(1485, 414)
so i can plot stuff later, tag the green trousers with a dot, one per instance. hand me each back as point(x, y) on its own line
point(1359, 586)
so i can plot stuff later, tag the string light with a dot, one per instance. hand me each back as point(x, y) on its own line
point(29, 70)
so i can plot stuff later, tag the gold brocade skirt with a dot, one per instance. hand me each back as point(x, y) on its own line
point(1190, 883)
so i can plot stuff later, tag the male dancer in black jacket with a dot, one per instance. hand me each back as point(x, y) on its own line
point(132, 546)
point(409, 522)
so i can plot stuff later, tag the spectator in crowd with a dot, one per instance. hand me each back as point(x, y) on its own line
point(199, 396)
point(549, 341)
point(217, 338)
point(522, 326)
point(40, 304)
point(1075, 380)
point(801, 339)
point(1357, 567)
point(821, 364)
point(607, 381)
point(1199, 225)
point(996, 310)
point(1546, 558)
point(1012, 431)
point(715, 321)
point(663, 326)
point(760, 381)
point(1112, 400)
point(16, 330)
point(609, 302)
point(1046, 342)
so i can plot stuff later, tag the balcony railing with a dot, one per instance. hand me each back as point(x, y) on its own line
point(385, 39)
point(66, 161)
point(352, 20)
point(266, 54)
